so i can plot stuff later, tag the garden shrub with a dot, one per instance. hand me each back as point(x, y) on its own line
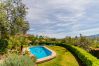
point(15, 60)
point(17, 43)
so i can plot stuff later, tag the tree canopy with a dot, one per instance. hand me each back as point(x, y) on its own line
point(12, 18)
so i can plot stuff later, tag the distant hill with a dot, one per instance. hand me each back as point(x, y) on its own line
point(94, 36)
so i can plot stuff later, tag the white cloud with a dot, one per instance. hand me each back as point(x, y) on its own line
point(67, 16)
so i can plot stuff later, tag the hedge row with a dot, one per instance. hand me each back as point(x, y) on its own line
point(83, 55)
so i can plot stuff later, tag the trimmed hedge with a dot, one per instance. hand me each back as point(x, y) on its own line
point(83, 55)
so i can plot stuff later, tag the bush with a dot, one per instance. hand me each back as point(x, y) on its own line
point(3, 46)
point(15, 60)
point(83, 55)
point(17, 43)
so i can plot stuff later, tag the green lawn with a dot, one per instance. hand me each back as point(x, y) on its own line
point(64, 58)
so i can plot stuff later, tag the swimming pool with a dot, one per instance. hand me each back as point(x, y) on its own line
point(40, 52)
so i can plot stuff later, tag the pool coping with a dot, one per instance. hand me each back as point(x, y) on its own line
point(45, 59)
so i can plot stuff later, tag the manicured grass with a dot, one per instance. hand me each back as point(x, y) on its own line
point(64, 58)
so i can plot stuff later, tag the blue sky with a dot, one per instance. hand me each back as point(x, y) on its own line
point(60, 18)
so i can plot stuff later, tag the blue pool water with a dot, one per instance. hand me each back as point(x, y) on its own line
point(40, 51)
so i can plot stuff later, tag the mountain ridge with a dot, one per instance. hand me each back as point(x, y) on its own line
point(94, 36)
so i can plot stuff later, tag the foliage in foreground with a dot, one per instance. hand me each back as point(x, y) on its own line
point(83, 55)
point(15, 60)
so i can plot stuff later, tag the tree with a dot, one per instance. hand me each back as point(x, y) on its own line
point(84, 42)
point(17, 12)
point(4, 23)
point(12, 18)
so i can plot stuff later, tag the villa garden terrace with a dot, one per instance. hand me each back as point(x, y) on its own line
point(18, 48)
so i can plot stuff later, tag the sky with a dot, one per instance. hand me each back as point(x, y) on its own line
point(60, 18)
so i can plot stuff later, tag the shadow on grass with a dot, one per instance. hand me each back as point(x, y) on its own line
point(78, 60)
